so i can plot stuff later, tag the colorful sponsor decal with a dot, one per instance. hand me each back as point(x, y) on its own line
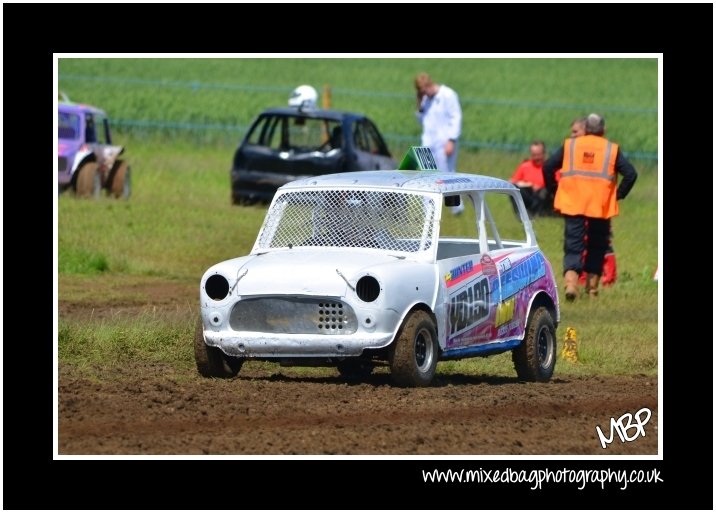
point(520, 280)
point(521, 274)
point(470, 306)
point(453, 180)
point(506, 328)
point(505, 312)
point(505, 265)
point(488, 265)
point(460, 273)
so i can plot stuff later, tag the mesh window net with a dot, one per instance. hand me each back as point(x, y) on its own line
point(393, 221)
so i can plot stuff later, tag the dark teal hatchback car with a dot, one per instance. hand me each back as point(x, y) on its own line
point(285, 144)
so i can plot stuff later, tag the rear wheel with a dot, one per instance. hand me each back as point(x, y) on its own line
point(88, 182)
point(534, 359)
point(414, 353)
point(212, 362)
point(120, 185)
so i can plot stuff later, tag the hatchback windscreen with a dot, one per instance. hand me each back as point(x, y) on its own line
point(68, 125)
point(299, 134)
point(392, 221)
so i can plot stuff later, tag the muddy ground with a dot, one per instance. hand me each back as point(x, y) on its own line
point(146, 409)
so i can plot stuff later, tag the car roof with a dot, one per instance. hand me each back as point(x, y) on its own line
point(335, 115)
point(418, 181)
point(79, 108)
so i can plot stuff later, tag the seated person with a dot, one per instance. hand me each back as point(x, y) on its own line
point(529, 178)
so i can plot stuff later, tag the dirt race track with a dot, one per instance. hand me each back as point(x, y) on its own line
point(157, 409)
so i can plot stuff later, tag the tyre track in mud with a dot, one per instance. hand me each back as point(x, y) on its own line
point(140, 411)
point(145, 408)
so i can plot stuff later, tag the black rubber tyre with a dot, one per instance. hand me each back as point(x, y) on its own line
point(535, 358)
point(88, 182)
point(355, 368)
point(414, 353)
point(212, 362)
point(120, 180)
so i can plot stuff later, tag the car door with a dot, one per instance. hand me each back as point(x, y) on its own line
point(517, 265)
point(470, 283)
point(263, 145)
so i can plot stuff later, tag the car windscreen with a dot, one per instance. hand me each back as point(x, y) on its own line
point(392, 221)
point(68, 125)
point(302, 134)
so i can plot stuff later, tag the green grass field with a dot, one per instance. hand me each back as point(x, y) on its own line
point(179, 220)
point(504, 101)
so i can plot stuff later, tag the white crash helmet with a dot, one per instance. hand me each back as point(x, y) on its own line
point(303, 96)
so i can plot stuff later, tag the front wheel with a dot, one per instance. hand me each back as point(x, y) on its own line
point(88, 182)
point(212, 362)
point(534, 359)
point(414, 353)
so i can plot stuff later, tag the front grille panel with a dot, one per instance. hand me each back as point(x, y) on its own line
point(294, 315)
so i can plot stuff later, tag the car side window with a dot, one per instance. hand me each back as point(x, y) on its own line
point(90, 129)
point(375, 142)
point(360, 138)
point(462, 226)
point(264, 132)
point(501, 224)
point(68, 125)
point(105, 132)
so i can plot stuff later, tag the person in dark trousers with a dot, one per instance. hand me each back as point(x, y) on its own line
point(586, 196)
point(609, 268)
point(528, 177)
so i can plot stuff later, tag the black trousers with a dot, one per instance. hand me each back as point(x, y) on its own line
point(536, 201)
point(585, 233)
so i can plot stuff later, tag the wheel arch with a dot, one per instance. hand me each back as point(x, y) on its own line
point(79, 162)
point(543, 299)
point(420, 306)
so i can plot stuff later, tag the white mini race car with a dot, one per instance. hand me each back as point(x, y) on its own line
point(367, 268)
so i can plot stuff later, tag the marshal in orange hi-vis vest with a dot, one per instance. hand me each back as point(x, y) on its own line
point(588, 185)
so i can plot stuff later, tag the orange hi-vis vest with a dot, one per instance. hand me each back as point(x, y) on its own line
point(588, 185)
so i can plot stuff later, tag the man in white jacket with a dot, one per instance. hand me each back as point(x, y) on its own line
point(440, 115)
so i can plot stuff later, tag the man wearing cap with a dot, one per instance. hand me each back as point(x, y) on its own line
point(587, 196)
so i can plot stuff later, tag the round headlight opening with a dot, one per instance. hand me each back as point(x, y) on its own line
point(217, 287)
point(368, 289)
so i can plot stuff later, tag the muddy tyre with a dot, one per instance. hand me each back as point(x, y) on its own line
point(535, 358)
point(88, 182)
point(355, 369)
point(212, 362)
point(120, 181)
point(414, 353)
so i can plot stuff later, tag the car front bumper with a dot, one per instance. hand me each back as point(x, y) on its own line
point(280, 345)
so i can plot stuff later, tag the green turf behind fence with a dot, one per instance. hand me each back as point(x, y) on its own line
point(506, 102)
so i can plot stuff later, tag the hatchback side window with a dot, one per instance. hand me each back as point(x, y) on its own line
point(502, 228)
point(106, 131)
point(375, 142)
point(68, 125)
point(264, 131)
point(359, 136)
point(90, 129)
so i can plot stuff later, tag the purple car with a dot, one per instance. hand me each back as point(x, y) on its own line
point(87, 161)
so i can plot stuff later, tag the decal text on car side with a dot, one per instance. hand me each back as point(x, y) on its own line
point(469, 306)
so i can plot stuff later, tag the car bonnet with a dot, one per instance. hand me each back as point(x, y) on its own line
point(306, 272)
